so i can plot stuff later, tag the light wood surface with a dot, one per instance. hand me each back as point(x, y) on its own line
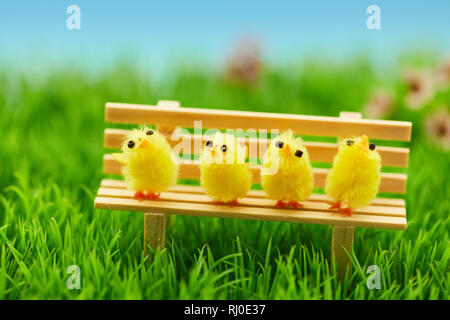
point(249, 201)
point(318, 151)
point(341, 247)
point(168, 129)
point(226, 119)
point(120, 184)
point(390, 182)
point(154, 231)
point(249, 212)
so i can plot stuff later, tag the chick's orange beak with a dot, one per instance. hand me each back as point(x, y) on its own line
point(287, 149)
point(213, 151)
point(144, 144)
point(364, 144)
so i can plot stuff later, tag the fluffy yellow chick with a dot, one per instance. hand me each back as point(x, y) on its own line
point(150, 167)
point(225, 176)
point(287, 174)
point(355, 177)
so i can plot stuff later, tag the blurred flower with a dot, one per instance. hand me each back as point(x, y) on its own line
point(244, 65)
point(420, 88)
point(437, 126)
point(380, 105)
point(444, 73)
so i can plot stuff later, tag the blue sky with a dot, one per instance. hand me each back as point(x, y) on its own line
point(172, 32)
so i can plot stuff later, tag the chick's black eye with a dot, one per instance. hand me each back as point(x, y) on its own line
point(279, 144)
point(131, 144)
point(299, 153)
point(149, 132)
point(349, 142)
point(224, 148)
point(372, 146)
point(209, 143)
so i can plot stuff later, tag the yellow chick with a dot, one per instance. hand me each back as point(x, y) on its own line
point(225, 176)
point(150, 166)
point(287, 174)
point(355, 177)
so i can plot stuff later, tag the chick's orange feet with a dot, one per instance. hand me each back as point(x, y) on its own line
point(293, 204)
point(336, 205)
point(280, 204)
point(231, 203)
point(146, 195)
point(346, 212)
point(139, 195)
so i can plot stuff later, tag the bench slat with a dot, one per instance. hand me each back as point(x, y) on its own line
point(390, 182)
point(318, 151)
point(210, 210)
point(225, 119)
point(253, 202)
point(120, 184)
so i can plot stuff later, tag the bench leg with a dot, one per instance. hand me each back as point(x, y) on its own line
point(154, 231)
point(342, 240)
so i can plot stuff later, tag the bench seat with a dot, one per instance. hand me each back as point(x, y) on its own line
point(384, 213)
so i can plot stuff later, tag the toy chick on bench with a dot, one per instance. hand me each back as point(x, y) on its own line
point(224, 175)
point(149, 165)
point(287, 175)
point(355, 177)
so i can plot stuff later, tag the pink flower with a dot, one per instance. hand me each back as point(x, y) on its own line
point(244, 64)
point(444, 73)
point(380, 105)
point(420, 86)
point(437, 126)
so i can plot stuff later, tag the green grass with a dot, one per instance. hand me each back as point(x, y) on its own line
point(50, 168)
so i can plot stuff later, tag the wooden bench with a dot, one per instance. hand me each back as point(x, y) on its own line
point(385, 213)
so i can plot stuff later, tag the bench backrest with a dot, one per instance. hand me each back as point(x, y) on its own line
point(167, 115)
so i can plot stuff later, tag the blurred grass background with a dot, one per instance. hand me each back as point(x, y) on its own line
point(51, 164)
